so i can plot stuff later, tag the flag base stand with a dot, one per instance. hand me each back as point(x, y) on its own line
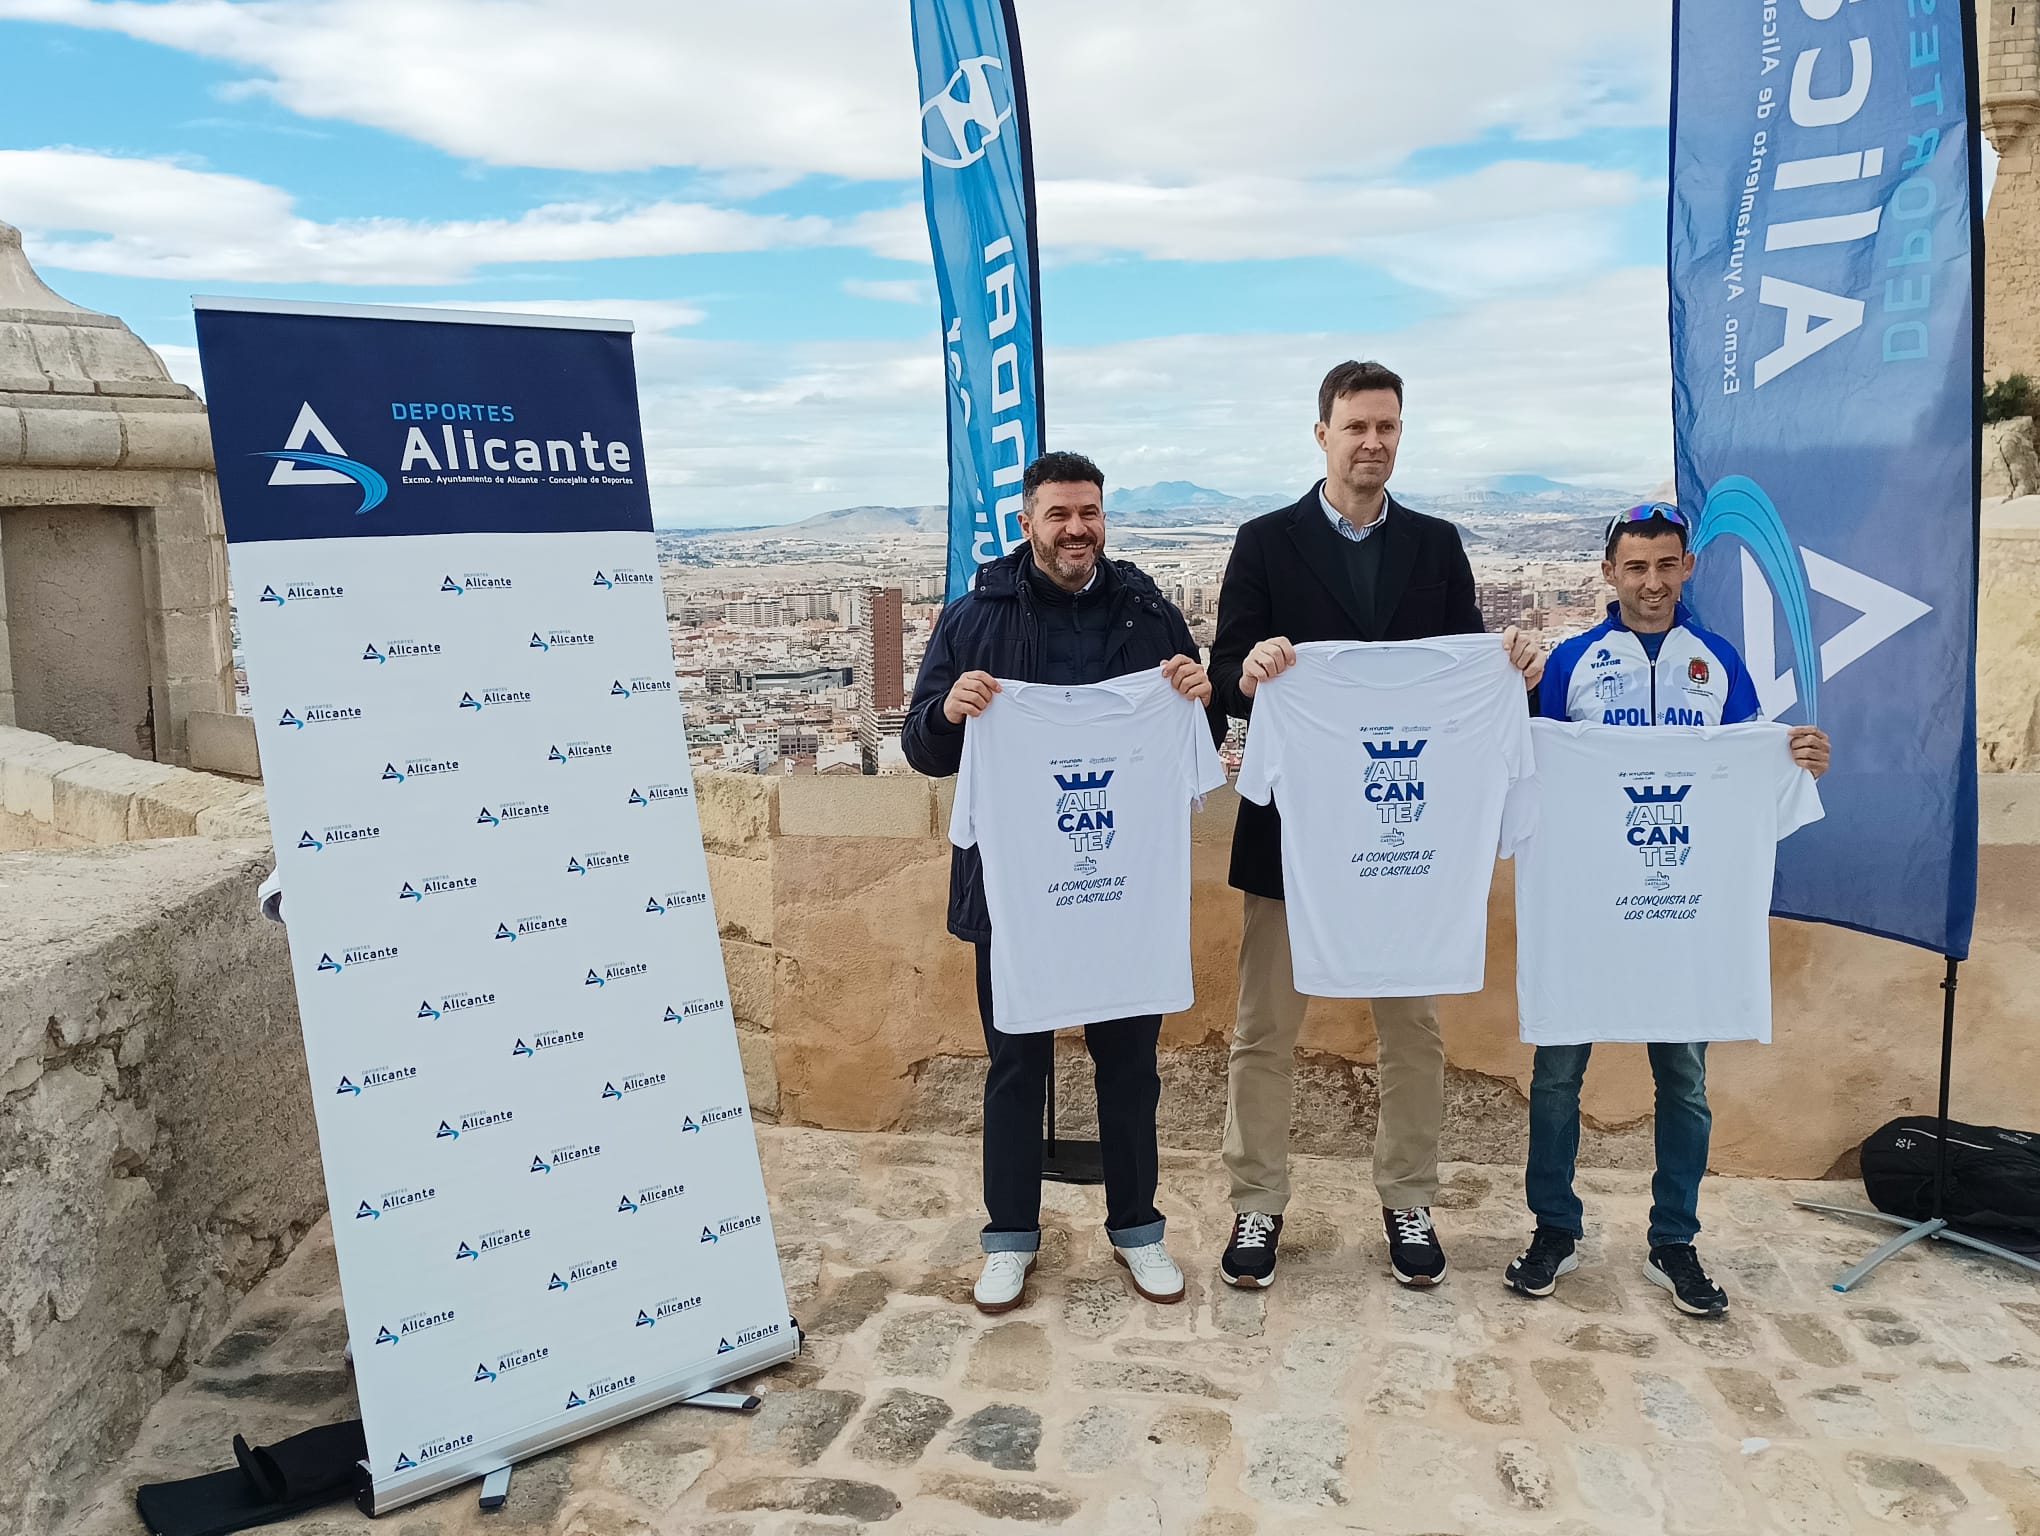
point(1935, 1228)
point(1914, 1232)
point(1069, 1162)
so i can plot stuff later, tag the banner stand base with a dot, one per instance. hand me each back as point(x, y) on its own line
point(495, 1479)
point(1913, 1232)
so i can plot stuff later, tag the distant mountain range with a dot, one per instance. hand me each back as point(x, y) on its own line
point(1518, 514)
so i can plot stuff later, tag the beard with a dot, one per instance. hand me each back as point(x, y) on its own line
point(1068, 562)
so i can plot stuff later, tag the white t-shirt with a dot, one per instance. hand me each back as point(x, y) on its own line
point(1078, 800)
point(1643, 897)
point(1400, 770)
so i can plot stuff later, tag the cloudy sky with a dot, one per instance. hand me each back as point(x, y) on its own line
point(1232, 197)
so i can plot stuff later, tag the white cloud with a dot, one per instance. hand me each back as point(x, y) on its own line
point(1201, 90)
point(158, 219)
point(1573, 384)
point(901, 290)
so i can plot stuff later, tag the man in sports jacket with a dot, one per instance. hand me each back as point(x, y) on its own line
point(1647, 664)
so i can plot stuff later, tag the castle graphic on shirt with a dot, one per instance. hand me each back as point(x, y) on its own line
point(1394, 785)
point(1655, 825)
point(1083, 810)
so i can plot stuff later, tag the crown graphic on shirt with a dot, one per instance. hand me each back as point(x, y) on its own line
point(1664, 794)
point(1074, 781)
point(1381, 750)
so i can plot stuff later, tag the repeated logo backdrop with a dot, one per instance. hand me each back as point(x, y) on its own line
point(545, 1187)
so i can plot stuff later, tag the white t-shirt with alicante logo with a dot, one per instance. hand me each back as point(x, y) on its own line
point(1401, 769)
point(1078, 800)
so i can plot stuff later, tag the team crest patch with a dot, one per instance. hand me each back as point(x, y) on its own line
point(1696, 670)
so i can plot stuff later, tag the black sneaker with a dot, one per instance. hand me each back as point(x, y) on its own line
point(1676, 1267)
point(1536, 1269)
point(1249, 1258)
point(1414, 1256)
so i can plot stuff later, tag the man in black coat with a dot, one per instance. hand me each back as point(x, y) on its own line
point(1054, 611)
point(1347, 562)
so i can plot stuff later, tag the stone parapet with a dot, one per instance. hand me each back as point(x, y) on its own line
point(857, 1010)
point(156, 1134)
point(57, 794)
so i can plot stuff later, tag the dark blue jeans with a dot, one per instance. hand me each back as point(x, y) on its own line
point(1016, 1094)
point(1683, 1125)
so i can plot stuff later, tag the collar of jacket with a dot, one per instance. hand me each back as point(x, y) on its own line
point(1004, 580)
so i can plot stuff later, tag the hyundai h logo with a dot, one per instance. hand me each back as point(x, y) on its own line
point(950, 143)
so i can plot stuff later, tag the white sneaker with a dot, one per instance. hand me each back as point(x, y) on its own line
point(1154, 1273)
point(1002, 1286)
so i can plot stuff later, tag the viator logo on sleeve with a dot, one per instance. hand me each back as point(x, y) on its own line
point(1643, 896)
point(1078, 800)
point(1400, 769)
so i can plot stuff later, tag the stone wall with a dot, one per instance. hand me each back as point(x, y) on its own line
point(2008, 638)
point(59, 794)
point(156, 1137)
point(857, 1010)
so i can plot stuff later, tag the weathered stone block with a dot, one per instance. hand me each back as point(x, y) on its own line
point(91, 799)
point(190, 573)
point(761, 1072)
point(194, 644)
point(222, 743)
point(72, 439)
point(172, 808)
point(242, 820)
point(749, 969)
point(860, 807)
point(166, 439)
point(739, 813)
point(743, 896)
point(28, 778)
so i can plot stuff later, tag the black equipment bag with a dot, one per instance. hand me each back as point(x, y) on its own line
point(1993, 1176)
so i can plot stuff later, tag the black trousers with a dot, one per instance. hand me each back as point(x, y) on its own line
point(1016, 1089)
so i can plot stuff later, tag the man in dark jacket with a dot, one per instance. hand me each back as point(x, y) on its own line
point(1054, 611)
point(1347, 562)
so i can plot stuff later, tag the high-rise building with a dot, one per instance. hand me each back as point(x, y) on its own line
point(881, 673)
point(1502, 603)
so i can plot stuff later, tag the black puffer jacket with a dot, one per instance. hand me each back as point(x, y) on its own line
point(1011, 624)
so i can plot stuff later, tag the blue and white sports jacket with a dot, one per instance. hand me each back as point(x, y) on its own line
point(1605, 676)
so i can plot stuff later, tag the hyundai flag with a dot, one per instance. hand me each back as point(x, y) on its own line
point(1824, 245)
point(977, 172)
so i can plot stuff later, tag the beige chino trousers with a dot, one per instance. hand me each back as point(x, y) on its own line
point(1410, 1069)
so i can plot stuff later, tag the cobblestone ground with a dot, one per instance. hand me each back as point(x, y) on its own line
point(1333, 1402)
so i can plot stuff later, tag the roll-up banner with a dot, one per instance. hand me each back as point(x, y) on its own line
point(543, 1177)
point(1825, 247)
point(977, 174)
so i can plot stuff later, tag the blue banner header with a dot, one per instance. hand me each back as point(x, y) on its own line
point(1823, 251)
point(977, 173)
point(332, 424)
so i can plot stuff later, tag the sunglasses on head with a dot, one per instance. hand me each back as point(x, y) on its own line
point(1650, 511)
